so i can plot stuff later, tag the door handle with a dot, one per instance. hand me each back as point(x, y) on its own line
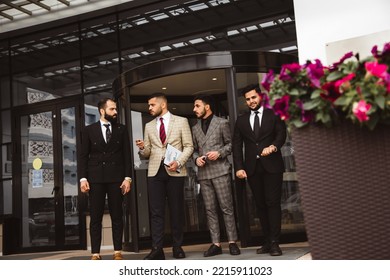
point(55, 189)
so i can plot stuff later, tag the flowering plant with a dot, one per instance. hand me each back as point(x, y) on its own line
point(358, 90)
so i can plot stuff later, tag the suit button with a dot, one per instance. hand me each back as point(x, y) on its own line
point(104, 162)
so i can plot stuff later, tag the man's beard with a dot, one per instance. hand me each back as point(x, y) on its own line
point(201, 115)
point(256, 108)
point(112, 119)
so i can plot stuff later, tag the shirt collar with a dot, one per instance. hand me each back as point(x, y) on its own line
point(102, 123)
point(260, 110)
point(166, 117)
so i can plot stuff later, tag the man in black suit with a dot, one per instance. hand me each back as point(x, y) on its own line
point(105, 170)
point(263, 134)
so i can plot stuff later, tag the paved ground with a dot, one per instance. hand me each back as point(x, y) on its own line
point(292, 251)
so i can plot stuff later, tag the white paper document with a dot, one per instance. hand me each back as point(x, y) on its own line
point(171, 154)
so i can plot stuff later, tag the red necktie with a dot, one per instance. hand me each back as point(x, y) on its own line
point(163, 136)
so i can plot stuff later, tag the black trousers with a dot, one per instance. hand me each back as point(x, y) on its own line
point(267, 191)
point(163, 187)
point(97, 198)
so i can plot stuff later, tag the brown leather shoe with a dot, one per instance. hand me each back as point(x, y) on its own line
point(96, 257)
point(118, 256)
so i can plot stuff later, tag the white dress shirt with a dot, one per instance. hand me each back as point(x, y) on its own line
point(252, 116)
point(104, 129)
point(166, 118)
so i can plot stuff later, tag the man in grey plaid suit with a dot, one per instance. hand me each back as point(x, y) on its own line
point(212, 145)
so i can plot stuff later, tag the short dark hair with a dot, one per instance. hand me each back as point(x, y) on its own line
point(250, 88)
point(158, 95)
point(103, 103)
point(206, 99)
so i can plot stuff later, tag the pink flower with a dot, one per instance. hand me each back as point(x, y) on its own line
point(360, 110)
point(315, 72)
point(268, 79)
point(330, 91)
point(288, 69)
point(344, 82)
point(281, 107)
point(346, 56)
point(376, 69)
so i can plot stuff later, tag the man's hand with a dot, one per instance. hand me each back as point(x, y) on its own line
point(241, 174)
point(84, 186)
point(269, 150)
point(201, 161)
point(173, 166)
point(213, 155)
point(126, 186)
point(140, 144)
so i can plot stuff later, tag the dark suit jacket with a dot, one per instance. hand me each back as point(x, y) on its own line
point(102, 162)
point(272, 132)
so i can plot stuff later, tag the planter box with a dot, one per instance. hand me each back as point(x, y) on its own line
point(344, 180)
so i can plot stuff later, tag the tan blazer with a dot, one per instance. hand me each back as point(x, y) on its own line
point(178, 135)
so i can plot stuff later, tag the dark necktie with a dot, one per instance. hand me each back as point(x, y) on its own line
point(256, 125)
point(163, 136)
point(108, 132)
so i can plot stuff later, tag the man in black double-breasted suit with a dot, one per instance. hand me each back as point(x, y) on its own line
point(105, 170)
point(263, 134)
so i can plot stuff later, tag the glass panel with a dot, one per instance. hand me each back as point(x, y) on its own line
point(38, 225)
point(90, 107)
point(6, 126)
point(292, 214)
point(4, 58)
point(7, 198)
point(6, 153)
point(46, 65)
point(5, 92)
point(100, 55)
point(70, 183)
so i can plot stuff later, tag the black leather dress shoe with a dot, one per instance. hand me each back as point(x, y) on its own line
point(263, 249)
point(155, 254)
point(213, 251)
point(178, 252)
point(233, 249)
point(275, 250)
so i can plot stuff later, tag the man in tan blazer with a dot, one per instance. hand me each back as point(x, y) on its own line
point(165, 181)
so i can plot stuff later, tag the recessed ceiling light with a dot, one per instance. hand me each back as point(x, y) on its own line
point(214, 79)
point(163, 88)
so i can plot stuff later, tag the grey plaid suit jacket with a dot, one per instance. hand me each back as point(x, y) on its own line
point(217, 138)
point(178, 135)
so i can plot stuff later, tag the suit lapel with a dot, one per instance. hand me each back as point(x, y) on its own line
point(171, 125)
point(213, 125)
point(99, 133)
point(154, 134)
point(199, 133)
point(248, 127)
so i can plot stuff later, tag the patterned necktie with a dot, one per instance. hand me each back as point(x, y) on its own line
point(163, 136)
point(108, 132)
point(256, 125)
